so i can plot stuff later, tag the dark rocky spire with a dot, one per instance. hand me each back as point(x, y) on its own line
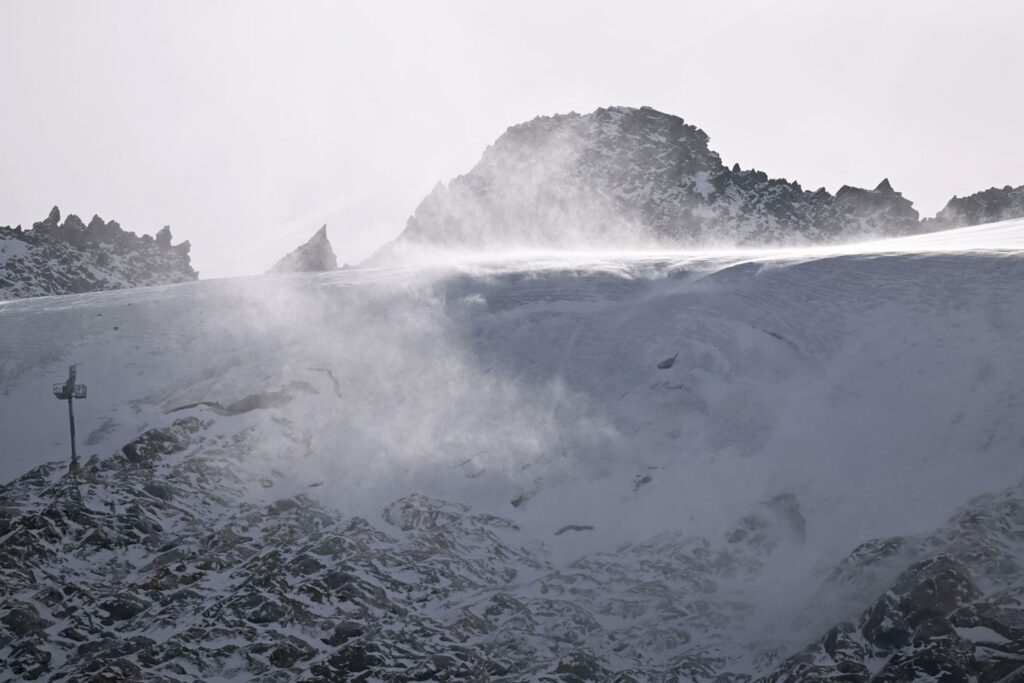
point(314, 255)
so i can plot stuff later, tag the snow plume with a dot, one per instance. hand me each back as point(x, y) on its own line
point(625, 178)
point(402, 401)
point(368, 387)
point(529, 190)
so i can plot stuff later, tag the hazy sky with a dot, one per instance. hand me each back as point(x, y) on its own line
point(246, 125)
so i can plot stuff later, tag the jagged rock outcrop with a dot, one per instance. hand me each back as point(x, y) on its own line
point(72, 257)
point(987, 206)
point(623, 176)
point(313, 256)
point(945, 606)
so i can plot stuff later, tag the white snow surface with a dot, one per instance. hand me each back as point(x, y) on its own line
point(882, 384)
point(9, 248)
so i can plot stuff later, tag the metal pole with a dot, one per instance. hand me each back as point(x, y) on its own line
point(71, 419)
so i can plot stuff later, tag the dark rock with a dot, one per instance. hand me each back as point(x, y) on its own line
point(933, 588)
point(73, 222)
point(288, 653)
point(158, 490)
point(634, 177)
point(163, 237)
point(123, 606)
point(313, 256)
point(22, 619)
point(932, 629)
point(52, 220)
point(928, 664)
point(268, 611)
point(580, 667)
point(987, 206)
point(885, 626)
point(344, 632)
point(155, 443)
point(349, 661)
point(283, 505)
point(112, 670)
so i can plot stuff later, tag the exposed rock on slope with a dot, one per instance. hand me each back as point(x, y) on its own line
point(166, 566)
point(169, 566)
point(72, 257)
point(948, 606)
point(987, 206)
point(315, 255)
point(623, 176)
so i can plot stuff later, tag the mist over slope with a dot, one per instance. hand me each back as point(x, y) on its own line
point(651, 464)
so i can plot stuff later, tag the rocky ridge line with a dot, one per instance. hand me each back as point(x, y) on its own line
point(638, 177)
point(72, 257)
point(988, 206)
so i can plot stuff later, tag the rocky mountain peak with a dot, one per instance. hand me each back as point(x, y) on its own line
point(988, 206)
point(313, 256)
point(97, 256)
point(623, 176)
point(163, 237)
point(53, 218)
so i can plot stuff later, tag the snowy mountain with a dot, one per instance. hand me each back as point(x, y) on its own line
point(796, 464)
point(989, 206)
point(622, 176)
point(72, 257)
point(313, 256)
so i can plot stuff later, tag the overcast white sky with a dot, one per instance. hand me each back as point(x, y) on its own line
point(246, 125)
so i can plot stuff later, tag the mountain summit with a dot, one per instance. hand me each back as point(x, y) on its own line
point(623, 177)
point(313, 256)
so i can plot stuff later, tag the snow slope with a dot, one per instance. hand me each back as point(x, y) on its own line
point(592, 399)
